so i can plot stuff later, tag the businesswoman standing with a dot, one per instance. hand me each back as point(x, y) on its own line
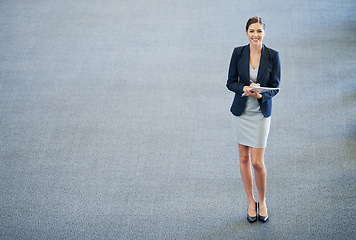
point(253, 65)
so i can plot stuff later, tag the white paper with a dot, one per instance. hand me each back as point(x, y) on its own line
point(260, 89)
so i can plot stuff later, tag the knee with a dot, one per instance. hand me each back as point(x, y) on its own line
point(244, 159)
point(258, 165)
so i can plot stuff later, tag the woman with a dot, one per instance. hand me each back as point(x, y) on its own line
point(253, 65)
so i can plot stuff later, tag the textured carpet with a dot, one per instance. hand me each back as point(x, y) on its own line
point(115, 122)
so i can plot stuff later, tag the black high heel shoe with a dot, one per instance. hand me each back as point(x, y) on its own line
point(252, 219)
point(261, 218)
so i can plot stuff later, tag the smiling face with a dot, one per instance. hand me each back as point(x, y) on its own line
point(255, 34)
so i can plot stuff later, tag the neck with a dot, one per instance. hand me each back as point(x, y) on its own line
point(255, 49)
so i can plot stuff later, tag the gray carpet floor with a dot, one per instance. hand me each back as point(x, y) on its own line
point(115, 122)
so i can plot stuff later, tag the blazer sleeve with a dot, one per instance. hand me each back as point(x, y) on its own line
point(274, 80)
point(233, 83)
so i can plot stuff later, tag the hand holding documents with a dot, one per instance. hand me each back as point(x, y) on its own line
point(260, 90)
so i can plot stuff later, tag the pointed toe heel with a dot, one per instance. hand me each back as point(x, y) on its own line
point(262, 219)
point(252, 219)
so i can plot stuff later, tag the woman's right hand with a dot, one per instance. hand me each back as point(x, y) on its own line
point(246, 89)
point(254, 94)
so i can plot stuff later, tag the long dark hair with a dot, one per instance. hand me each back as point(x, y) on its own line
point(253, 20)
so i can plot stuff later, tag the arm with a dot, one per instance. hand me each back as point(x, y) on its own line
point(274, 79)
point(232, 82)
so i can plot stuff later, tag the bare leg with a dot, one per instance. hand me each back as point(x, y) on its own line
point(246, 175)
point(260, 177)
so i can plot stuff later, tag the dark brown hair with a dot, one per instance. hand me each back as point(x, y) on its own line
point(253, 20)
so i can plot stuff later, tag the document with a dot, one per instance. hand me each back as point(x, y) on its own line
point(260, 90)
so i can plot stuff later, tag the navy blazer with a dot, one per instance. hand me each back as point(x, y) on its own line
point(269, 74)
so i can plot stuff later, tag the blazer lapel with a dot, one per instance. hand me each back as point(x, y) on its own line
point(263, 63)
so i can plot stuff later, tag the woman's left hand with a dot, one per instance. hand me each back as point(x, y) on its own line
point(255, 94)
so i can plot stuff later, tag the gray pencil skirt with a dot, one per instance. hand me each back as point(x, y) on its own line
point(251, 127)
